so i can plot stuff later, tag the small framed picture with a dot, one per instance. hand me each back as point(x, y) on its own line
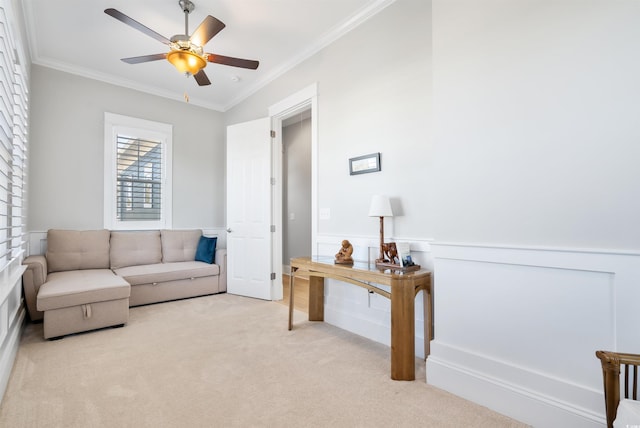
point(364, 164)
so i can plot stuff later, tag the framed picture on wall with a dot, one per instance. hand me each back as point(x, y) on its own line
point(364, 164)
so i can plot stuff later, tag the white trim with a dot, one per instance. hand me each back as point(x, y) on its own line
point(125, 83)
point(306, 98)
point(10, 349)
point(366, 246)
point(541, 410)
point(536, 363)
point(292, 104)
point(37, 239)
point(115, 124)
point(540, 248)
point(332, 35)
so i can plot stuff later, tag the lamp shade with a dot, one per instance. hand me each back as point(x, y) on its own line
point(380, 207)
point(186, 61)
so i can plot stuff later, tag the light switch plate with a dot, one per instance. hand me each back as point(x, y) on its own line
point(325, 213)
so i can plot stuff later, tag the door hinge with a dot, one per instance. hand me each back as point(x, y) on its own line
point(273, 181)
point(273, 276)
point(273, 227)
point(273, 134)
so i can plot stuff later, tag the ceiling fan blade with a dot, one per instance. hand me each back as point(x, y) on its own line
point(234, 62)
point(135, 24)
point(202, 78)
point(208, 28)
point(144, 58)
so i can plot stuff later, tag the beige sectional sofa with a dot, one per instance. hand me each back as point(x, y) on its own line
point(89, 279)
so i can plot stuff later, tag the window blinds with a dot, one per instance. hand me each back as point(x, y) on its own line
point(139, 179)
point(13, 146)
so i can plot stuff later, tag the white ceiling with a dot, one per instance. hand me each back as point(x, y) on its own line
point(78, 37)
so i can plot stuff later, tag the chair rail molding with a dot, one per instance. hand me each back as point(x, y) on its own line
point(516, 328)
point(37, 239)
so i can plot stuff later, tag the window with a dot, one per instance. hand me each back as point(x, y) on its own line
point(137, 173)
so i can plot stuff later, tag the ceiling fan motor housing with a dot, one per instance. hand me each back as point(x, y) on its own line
point(183, 42)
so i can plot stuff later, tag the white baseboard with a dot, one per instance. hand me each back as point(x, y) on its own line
point(507, 398)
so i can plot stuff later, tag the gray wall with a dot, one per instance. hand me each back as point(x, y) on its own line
point(67, 152)
point(533, 129)
point(296, 139)
point(536, 122)
point(522, 134)
point(374, 95)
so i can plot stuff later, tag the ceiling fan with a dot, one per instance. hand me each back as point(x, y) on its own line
point(185, 52)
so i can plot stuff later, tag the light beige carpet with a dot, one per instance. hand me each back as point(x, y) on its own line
point(222, 361)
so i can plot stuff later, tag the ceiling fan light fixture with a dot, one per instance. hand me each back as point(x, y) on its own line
point(186, 61)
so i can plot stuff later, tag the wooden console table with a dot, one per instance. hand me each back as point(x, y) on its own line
point(404, 287)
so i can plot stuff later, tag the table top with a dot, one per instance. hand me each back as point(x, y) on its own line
point(326, 264)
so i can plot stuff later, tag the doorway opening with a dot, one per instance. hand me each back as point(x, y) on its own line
point(292, 110)
point(296, 187)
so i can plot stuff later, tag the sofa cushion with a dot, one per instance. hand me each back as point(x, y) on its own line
point(206, 251)
point(78, 287)
point(77, 249)
point(135, 248)
point(163, 272)
point(179, 245)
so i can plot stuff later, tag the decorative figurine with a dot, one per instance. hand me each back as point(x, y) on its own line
point(390, 253)
point(396, 256)
point(344, 255)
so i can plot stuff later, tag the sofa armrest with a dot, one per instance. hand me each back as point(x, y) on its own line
point(221, 260)
point(32, 279)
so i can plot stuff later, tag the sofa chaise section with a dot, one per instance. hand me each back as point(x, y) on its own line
point(83, 300)
point(79, 292)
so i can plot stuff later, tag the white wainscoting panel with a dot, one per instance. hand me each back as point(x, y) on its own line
point(355, 309)
point(516, 329)
point(12, 316)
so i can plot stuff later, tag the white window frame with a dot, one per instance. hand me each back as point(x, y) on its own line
point(115, 124)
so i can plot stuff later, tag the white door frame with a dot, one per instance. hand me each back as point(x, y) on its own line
point(294, 104)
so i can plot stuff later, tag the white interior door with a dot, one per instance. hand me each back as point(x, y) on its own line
point(249, 209)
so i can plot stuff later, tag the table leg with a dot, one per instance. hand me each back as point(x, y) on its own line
point(403, 353)
point(427, 297)
point(316, 298)
point(291, 285)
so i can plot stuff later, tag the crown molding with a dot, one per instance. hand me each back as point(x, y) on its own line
point(326, 39)
point(329, 37)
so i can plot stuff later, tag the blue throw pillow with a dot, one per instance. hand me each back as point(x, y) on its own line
point(206, 251)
